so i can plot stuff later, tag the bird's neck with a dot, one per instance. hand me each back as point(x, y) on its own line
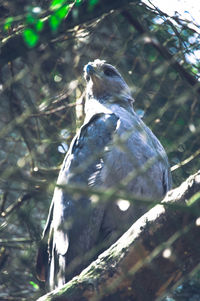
point(103, 105)
point(94, 106)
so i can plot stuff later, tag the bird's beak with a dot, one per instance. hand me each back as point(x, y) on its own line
point(90, 70)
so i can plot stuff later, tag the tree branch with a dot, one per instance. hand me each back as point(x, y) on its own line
point(163, 51)
point(18, 203)
point(158, 250)
point(14, 46)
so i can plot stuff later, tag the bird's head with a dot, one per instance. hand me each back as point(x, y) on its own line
point(104, 82)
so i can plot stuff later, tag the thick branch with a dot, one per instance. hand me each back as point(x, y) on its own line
point(136, 266)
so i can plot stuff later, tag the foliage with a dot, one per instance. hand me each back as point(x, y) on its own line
point(34, 19)
point(42, 97)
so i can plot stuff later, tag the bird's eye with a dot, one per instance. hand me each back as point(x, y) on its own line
point(109, 72)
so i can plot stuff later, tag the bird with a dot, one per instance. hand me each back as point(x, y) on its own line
point(113, 151)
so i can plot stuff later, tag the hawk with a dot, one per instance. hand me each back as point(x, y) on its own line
point(113, 150)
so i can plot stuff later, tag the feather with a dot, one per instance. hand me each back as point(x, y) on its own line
point(113, 148)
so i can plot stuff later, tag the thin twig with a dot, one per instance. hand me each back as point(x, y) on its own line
point(16, 204)
point(186, 161)
point(163, 51)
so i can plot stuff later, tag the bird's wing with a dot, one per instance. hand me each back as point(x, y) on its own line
point(42, 255)
point(73, 223)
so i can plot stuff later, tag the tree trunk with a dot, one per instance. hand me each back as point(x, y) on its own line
point(161, 248)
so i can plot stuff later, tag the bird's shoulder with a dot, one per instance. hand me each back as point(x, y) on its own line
point(99, 126)
point(92, 137)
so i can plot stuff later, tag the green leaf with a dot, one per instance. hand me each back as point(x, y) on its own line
point(62, 12)
point(34, 284)
point(30, 19)
point(180, 121)
point(39, 25)
point(58, 16)
point(56, 4)
point(8, 23)
point(152, 57)
point(30, 37)
point(195, 70)
point(54, 22)
point(92, 4)
point(78, 2)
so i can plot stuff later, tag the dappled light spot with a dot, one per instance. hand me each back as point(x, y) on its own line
point(197, 222)
point(63, 148)
point(167, 253)
point(94, 198)
point(36, 10)
point(21, 162)
point(123, 205)
point(57, 78)
point(192, 128)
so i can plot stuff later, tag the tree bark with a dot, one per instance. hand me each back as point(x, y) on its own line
point(155, 254)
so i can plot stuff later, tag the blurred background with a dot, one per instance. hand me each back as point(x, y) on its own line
point(44, 47)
